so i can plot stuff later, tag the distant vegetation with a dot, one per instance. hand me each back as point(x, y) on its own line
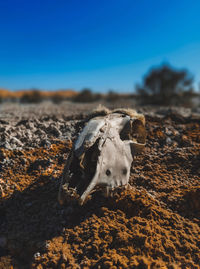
point(163, 85)
point(33, 96)
point(112, 96)
point(36, 96)
point(87, 96)
point(166, 86)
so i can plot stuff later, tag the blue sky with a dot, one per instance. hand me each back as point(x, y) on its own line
point(101, 44)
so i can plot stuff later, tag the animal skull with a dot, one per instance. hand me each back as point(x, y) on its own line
point(103, 153)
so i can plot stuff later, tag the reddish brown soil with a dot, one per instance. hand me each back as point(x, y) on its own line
point(154, 224)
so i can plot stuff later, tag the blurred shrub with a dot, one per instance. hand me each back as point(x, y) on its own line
point(184, 99)
point(57, 98)
point(86, 96)
point(32, 96)
point(112, 96)
point(165, 86)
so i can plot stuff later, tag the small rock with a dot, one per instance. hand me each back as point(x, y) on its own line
point(7, 146)
point(54, 131)
point(3, 121)
point(2, 129)
point(30, 125)
point(167, 131)
point(36, 255)
point(47, 244)
point(168, 141)
point(23, 160)
point(147, 167)
point(45, 142)
point(175, 132)
point(22, 122)
point(39, 132)
point(16, 141)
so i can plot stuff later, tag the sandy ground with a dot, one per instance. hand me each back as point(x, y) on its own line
point(154, 224)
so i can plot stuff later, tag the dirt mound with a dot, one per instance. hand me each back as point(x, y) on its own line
point(131, 231)
point(154, 224)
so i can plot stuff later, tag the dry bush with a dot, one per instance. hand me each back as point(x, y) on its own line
point(33, 96)
point(112, 97)
point(87, 96)
point(166, 85)
point(57, 98)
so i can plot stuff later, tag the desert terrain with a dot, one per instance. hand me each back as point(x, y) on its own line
point(153, 224)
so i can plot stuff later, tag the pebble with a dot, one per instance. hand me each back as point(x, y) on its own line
point(147, 167)
point(53, 130)
point(168, 141)
point(14, 140)
point(30, 125)
point(168, 132)
point(36, 255)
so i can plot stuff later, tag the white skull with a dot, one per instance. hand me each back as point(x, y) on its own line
point(102, 154)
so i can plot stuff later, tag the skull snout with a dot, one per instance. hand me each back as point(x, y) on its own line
point(116, 177)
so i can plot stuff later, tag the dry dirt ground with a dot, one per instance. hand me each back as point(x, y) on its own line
point(154, 224)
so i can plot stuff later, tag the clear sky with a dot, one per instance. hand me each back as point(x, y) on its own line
point(100, 44)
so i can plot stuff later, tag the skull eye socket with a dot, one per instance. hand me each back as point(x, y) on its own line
point(124, 171)
point(108, 173)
